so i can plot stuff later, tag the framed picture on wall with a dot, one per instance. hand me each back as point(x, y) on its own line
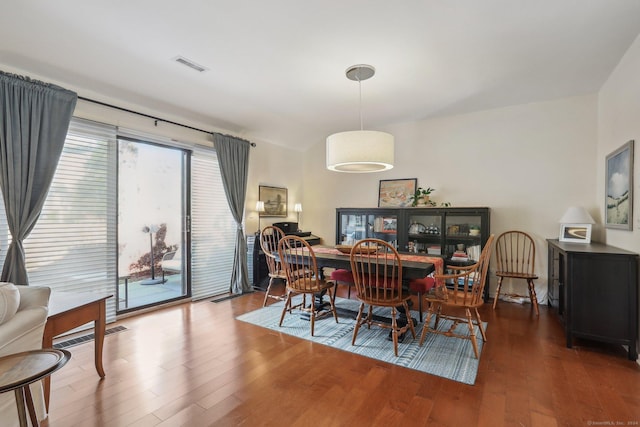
point(275, 201)
point(619, 188)
point(396, 192)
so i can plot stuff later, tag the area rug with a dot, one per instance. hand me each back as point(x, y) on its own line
point(443, 356)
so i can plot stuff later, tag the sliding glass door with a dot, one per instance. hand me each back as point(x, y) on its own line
point(152, 212)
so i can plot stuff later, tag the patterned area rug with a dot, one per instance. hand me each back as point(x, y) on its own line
point(446, 357)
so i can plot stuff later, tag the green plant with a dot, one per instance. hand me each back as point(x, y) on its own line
point(419, 194)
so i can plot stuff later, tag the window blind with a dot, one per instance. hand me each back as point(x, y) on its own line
point(73, 245)
point(213, 230)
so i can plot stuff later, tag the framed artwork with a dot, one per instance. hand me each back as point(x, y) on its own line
point(619, 188)
point(575, 233)
point(396, 192)
point(275, 201)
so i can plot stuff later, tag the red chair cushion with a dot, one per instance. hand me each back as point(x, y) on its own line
point(422, 286)
point(342, 275)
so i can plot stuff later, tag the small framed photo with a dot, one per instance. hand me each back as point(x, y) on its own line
point(396, 192)
point(275, 201)
point(619, 188)
point(575, 233)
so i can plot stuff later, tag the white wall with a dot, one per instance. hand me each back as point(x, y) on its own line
point(273, 166)
point(618, 122)
point(528, 163)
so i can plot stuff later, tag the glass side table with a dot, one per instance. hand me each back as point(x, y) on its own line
point(19, 370)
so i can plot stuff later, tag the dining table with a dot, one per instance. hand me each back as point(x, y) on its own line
point(414, 266)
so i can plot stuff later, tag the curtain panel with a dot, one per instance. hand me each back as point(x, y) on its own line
point(233, 158)
point(34, 119)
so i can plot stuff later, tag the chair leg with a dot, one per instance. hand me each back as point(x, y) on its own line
point(266, 294)
point(435, 326)
point(479, 320)
point(411, 328)
point(425, 327)
point(358, 323)
point(332, 301)
point(287, 305)
point(533, 296)
point(495, 299)
point(394, 330)
point(472, 332)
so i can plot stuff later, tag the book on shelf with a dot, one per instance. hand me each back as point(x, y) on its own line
point(434, 250)
point(459, 256)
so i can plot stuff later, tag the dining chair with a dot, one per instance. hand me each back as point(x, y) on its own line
point(269, 238)
point(377, 273)
point(515, 259)
point(461, 289)
point(301, 269)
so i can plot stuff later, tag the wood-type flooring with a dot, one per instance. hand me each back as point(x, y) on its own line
point(195, 365)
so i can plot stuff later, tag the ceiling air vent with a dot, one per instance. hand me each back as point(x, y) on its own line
point(189, 63)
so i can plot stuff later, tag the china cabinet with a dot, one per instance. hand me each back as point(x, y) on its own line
point(436, 231)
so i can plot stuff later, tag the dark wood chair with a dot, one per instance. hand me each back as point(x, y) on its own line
point(377, 276)
point(461, 290)
point(269, 238)
point(516, 256)
point(301, 269)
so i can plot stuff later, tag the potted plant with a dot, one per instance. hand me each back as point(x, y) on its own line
point(421, 196)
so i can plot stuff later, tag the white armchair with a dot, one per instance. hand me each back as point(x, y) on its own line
point(22, 332)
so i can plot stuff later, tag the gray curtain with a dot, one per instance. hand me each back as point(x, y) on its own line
point(233, 158)
point(34, 119)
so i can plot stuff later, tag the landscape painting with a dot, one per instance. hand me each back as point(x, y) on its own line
point(275, 201)
point(619, 188)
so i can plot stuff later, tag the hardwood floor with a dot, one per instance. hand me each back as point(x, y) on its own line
point(195, 365)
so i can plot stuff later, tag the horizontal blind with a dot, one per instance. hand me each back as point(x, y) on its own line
point(73, 245)
point(213, 229)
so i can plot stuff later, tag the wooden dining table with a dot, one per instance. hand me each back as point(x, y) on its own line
point(414, 266)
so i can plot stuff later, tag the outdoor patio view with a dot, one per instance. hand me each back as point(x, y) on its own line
point(150, 224)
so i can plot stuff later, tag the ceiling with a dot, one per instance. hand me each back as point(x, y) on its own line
point(275, 69)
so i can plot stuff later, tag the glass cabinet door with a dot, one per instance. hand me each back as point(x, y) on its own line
point(358, 226)
point(463, 240)
point(384, 227)
point(353, 227)
point(424, 234)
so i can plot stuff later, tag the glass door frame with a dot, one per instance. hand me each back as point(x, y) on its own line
point(185, 233)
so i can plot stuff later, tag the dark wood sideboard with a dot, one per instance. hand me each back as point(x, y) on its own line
point(594, 290)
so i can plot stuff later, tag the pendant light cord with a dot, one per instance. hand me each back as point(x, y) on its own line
point(360, 89)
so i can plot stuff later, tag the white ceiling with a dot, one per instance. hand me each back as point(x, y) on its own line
point(276, 68)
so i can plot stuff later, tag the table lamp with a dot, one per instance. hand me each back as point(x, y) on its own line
point(298, 208)
point(259, 209)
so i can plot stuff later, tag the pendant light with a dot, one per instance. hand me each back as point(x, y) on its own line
point(360, 151)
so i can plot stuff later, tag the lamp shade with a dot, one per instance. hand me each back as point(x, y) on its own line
point(297, 207)
point(360, 151)
point(576, 215)
point(259, 206)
